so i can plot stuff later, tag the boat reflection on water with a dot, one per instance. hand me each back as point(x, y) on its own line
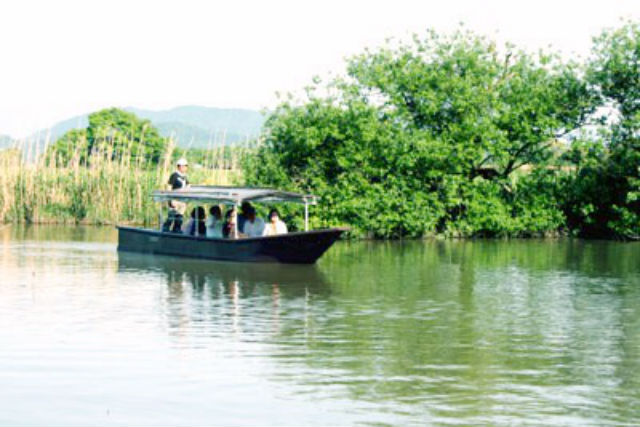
point(296, 278)
point(218, 297)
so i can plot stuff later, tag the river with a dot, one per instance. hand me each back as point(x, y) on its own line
point(478, 333)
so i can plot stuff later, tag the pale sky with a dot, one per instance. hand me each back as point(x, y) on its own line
point(64, 58)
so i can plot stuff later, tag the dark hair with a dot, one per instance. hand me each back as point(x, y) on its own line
point(245, 207)
point(226, 227)
point(215, 211)
point(199, 213)
point(274, 211)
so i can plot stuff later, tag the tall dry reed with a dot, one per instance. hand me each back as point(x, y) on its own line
point(106, 189)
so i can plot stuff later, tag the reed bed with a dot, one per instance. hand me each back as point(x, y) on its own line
point(106, 189)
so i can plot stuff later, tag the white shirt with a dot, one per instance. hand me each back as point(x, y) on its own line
point(280, 228)
point(255, 228)
point(214, 227)
point(186, 226)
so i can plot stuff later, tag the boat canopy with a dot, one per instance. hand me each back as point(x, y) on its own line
point(232, 195)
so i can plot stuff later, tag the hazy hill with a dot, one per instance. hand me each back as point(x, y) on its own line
point(193, 126)
point(60, 128)
point(190, 126)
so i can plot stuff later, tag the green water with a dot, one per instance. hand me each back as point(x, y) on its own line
point(481, 333)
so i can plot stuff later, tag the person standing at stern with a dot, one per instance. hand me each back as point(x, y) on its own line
point(177, 181)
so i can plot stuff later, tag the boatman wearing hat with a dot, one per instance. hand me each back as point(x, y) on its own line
point(177, 181)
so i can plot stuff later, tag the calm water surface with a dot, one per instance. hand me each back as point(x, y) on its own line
point(479, 333)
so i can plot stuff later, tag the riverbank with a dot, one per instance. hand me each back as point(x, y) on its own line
point(109, 192)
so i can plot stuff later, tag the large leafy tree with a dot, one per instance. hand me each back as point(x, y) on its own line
point(426, 136)
point(486, 107)
point(112, 134)
point(605, 194)
point(70, 147)
point(117, 133)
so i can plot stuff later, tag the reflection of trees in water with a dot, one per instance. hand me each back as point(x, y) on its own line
point(56, 251)
point(474, 323)
point(444, 327)
point(63, 233)
point(593, 258)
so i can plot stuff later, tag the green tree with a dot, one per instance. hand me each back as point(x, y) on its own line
point(426, 137)
point(604, 194)
point(72, 147)
point(486, 108)
point(112, 134)
point(116, 133)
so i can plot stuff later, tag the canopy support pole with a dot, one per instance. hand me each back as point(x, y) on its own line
point(235, 223)
point(306, 215)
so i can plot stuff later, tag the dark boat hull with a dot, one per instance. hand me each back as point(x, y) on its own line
point(294, 248)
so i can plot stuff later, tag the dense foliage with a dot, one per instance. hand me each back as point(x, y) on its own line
point(112, 134)
point(603, 196)
point(431, 137)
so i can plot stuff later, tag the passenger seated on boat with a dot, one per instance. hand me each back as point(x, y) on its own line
point(244, 210)
point(229, 229)
point(196, 225)
point(275, 225)
point(253, 226)
point(214, 222)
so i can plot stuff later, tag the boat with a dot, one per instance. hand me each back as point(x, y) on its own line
point(301, 247)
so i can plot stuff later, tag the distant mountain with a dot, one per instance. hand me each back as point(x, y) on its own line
point(60, 128)
point(190, 126)
point(200, 126)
